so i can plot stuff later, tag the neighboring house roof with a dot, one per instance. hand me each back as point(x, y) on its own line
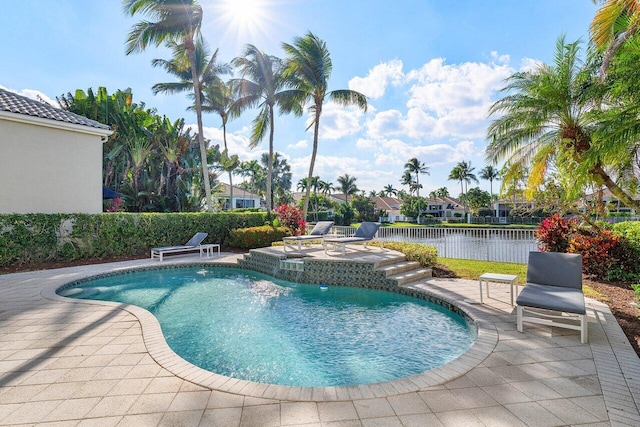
point(387, 204)
point(13, 103)
point(237, 192)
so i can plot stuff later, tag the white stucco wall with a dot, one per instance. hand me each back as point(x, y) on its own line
point(49, 170)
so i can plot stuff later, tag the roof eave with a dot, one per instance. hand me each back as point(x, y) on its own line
point(56, 124)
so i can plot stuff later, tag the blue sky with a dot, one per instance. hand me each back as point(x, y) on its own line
point(430, 69)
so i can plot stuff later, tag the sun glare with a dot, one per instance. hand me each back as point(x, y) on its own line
point(243, 15)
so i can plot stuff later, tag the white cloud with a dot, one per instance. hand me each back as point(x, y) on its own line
point(337, 122)
point(529, 64)
point(298, 145)
point(375, 83)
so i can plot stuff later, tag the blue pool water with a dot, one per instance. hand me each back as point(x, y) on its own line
point(250, 326)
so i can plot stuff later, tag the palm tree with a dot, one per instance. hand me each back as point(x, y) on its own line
point(463, 172)
point(613, 24)
point(176, 21)
point(348, 186)
point(326, 187)
point(261, 86)
point(253, 170)
point(309, 65)
point(218, 98)
point(412, 166)
point(489, 173)
point(389, 191)
point(549, 121)
point(442, 192)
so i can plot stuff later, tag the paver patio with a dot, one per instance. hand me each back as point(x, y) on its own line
point(73, 363)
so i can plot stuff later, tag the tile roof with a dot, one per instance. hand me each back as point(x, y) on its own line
point(14, 103)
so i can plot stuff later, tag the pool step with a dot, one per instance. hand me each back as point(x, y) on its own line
point(398, 267)
point(411, 276)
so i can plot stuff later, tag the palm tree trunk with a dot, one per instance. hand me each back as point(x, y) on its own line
point(606, 180)
point(203, 148)
point(224, 139)
point(314, 151)
point(270, 164)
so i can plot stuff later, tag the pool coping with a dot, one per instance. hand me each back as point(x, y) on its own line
point(159, 350)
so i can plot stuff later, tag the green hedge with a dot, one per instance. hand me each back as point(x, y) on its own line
point(424, 254)
point(257, 237)
point(630, 230)
point(35, 238)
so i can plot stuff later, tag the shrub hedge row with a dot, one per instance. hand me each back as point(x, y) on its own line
point(257, 237)
point(36, 238)
point(426, 255)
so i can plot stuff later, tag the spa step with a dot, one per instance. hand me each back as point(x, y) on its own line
point(399, 267)
point(392, 260)
point(411, 276)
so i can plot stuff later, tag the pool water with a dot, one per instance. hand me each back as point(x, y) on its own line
point(250, 326)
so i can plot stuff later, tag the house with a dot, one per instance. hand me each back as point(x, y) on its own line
point(443, 207)
point(241, 198)
point(50, 159)
point(605, 198)
point(391, 206)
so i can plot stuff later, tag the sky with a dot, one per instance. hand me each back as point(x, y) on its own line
point(430, 69)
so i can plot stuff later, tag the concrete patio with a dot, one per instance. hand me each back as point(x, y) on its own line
point(65, 362)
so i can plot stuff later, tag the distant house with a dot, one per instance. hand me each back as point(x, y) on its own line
point(50, 159)
point(505, 206)
point(390, 206)
point(443, 207)
point(608, 200)
point(241, 198)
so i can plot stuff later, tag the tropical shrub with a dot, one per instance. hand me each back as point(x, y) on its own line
point(597, 251)
point(555, 233)
point(257, 237)
point(291, 217)
point(424, 254)
point(344, 214)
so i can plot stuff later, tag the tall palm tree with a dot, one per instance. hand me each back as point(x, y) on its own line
point(218, 98)
point(613, 24)
point(309, 65)
point(489, 173)
point(548, 122)
point(463, 172)
point(176, 21)
point(261, 86)
point(348, 186)
point(442, 192)
point(415, 166)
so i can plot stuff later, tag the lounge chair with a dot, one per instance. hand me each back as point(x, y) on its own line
point(554, 282)
point(192, 245)
point(364, 234)
point(319, 231)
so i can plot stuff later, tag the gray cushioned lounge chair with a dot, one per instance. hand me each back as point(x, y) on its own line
point(192, 245)
point(554, 282)
point(321, 229)
point(364, 234)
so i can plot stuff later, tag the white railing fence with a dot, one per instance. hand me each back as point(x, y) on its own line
point(488, 244)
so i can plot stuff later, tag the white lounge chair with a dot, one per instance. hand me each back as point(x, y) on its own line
point(364, 234)
point(321, 229)
point(554, 282)
point(192, 245)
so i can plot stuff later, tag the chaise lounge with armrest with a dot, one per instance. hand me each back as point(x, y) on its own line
point(192, 245)
point(321, 229)
point(364, 234)
point(554, 282)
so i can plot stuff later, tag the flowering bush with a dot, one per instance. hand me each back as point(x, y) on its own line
point(291, 217)
point(555, 233)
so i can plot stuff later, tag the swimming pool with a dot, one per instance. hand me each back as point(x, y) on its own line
point(246, 325)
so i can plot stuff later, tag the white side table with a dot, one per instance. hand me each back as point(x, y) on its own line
point(511, 279)
point(208, 250)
